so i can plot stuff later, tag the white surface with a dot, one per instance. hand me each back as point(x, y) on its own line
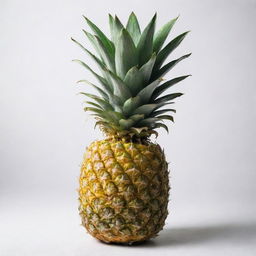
point(44, 131)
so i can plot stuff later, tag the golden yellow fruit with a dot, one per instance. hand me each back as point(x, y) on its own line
point(123, 190)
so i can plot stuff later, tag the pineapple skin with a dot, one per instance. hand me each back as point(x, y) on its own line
point(124, 189)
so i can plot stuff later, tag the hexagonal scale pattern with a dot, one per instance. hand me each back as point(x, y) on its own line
point(123, 191)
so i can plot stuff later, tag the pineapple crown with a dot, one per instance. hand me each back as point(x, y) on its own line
point(130, 100)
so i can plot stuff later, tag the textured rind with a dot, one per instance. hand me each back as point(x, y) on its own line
point(124, 190)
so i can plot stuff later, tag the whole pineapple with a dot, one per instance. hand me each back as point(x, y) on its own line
point(124, 178)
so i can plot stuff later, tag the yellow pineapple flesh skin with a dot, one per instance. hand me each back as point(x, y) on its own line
point(124, 190)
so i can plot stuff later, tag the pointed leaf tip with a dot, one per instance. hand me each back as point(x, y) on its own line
point(108, 45)
point(166, 68)
point(126, 56)
point(168, 49)
point(133, 28)
point(145, 44)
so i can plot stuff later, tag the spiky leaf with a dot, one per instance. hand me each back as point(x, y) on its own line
point(160, 125)
point(126, 123)
point(94, 104)
point(132, 66)
point(120, 89)
point(166, 117)
point(115, 28)
point(99, 90)
point(162, 34)
point(114, 116)
point(137, 117)
point(106, 56)
point(145, 109)
point(168, 97)
point(99, 63)
point(146, 69)
point(159, 90)
point(159, 112)
point(133, 28)
point(131, 121)
point(111, 22)
point(146, 93)
point(168, 67)
point(95, 110)
point(102, 80)
point(94, 43)
point(97, 60)
point(103, 103)
point(148, 122)
point(116, 102)
point(145, 45)
point(131, 104)
point(134, 79)
point(105, 41)
point(168, 49)
point(126, 56)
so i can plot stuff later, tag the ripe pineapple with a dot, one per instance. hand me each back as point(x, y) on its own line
point(124, 178)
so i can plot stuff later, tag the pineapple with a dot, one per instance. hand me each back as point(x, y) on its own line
point(124, 183)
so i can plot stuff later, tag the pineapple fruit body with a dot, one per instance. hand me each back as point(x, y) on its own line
point(123, 190)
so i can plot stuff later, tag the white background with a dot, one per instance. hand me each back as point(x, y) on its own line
point(44, 131)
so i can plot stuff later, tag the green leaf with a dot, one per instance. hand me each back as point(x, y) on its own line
point(168, 97)
point(168, 49)
point(109, 116)
point(120, 89)
point(162, 34)
point(126, 56)
point(102, 80)
point(100, 112)
point(116, 102)
point(160, 125)
point(159, 112)
point(146, 93)
point(105, 41)
point(126, 123)
point(145, 45)
point(93, 104)
point(99, 116)
point(168, 67)
point(96, 59)
point(131, 121)
point(100, 63)
point(105, 60)
point(166, 117)
point(99, 90)
point(105, 123)
point(134, 80)
point(147, 68)
point(148, 108)
point(114, 116)
point(111, 22)
point(145, 109)
point(131, 104)
point(160, 89)
point(137, 117)
point(115, 28)
point(103, 103)
point(161, 104)
point(108, 59)
point(94, 43)
point(148, 122)
point(133, 28)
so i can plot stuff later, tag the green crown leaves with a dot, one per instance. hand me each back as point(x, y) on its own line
point(130, 87)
